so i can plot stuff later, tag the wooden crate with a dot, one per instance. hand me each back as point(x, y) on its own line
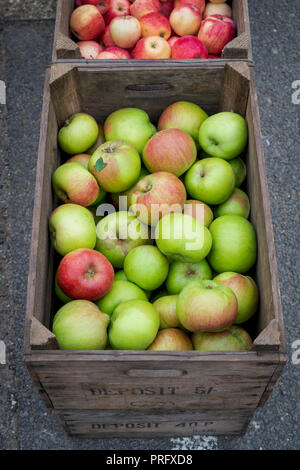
point(133, 393)
point(64, 48)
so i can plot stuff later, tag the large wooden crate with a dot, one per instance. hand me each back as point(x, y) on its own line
point(137, 393)
point(65, 48)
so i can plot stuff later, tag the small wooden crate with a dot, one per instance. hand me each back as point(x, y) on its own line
point(64, 48)
point(137, 393)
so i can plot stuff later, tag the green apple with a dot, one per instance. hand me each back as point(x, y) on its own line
point(129, 124)
point(78, 133)
point(234, 244)
point(185, 116)
point(234, 338)
point(166, 307)
point(121, 291)
point(180, 274)
point(147, 267)
point(210, 180)
point(134, 325)
point(124, 203)
point(240, 170)
point(181, 237)
point(60, 294)
point(246, 292)
point(224, 135)
point(116, 166)
point(118, 233)
point(80, 325)
point(100, 140)
point(237, 204)
point(120, 275)
point(206, 306)
point(71, 227)
point(200, 211)
point(73, 183)
point(171, 339)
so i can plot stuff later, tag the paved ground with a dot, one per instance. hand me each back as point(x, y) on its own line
point(25, 44)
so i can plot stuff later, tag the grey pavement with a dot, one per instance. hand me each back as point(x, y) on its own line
point(25, 51)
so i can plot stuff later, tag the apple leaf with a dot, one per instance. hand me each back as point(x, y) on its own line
point(99, 165)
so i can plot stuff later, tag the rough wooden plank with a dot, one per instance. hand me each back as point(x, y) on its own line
point(41, 337)
point(237, 48)
point(269, 338)
point(66, 48)
point(235, 88)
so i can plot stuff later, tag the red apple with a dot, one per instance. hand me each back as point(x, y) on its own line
point(86, 22)
point(125, 31)
point(82, 158)
point(212, 56)
point(189, 47)
point(166, 8)
point(200, 4)
point(119, 52)
point(106, 55)
point(171, 339)
point(116, 8)
point(185, 20)
point(85, 274)
point(215, 32)
point(200, 211)
point(172, 40)
point(78, 3)
point(171, 150)
point(141, 8)
point(166, 307)
point(106, 38)
point(217, 9)
point(152, 47)
point(89, 49)
point(155, 24)
point(156, 195)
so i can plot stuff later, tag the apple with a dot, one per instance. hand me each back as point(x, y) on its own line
point(118, 233)
point(155, 24)
point(170, 150)
point(152, 47)
point(123, 200)
point(200, 4)
point(234, 338)
point(120, 275)
point(80, 325)
point(119, 52)
point(78, 133)
point(237, 204)
point(71, 227)
point(185, 19)
point(106, 38)
point(218, 1)
point(107, 56)
point(156, 195)
point(200, 211)
point(86, 22)
point(116, 8)
point(116, 165)
point(103, 6)
point(121, 291)
point(141, 8)
point(234, 244)
point(224, 135)
point(73, 183)
point(82, 158)
point(240, 170)
point(166, 8)
point(100, 140)
point(215, 32)
point(210, 180)
point(60, 294)
point(217, 9)
point(125, 31)
point(185, 116)
point(206, 306)
point(134, 325)
point(166, 307)
point(189, 47)
point(181, 274)
point(246, 292)
point(85, 274)
point(89, 49)
point(183, 238)
point(146, 266)
point(171, 339)
point(130, 124)
point(172, 41)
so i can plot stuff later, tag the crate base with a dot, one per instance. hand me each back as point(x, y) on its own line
point(107, 424)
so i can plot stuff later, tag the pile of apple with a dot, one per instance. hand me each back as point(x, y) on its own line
point(152, 29)
point(154, 232)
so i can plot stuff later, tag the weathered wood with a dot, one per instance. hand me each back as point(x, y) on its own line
point(41, 337)
point(238, 49)
point(235, 88)
point(269, 338)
